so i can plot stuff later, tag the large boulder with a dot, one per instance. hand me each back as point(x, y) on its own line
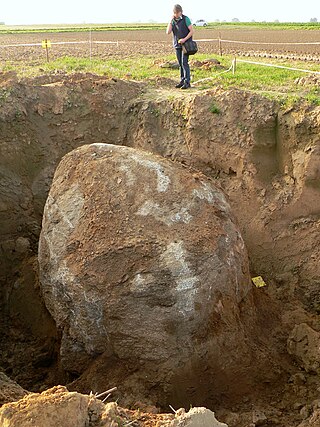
point(140, 259)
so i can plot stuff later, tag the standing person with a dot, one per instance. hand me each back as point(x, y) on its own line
point(181, 27)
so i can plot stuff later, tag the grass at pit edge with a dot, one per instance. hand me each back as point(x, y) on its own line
point(278, 84)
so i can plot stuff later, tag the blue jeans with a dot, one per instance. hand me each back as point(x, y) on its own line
point(184, 66)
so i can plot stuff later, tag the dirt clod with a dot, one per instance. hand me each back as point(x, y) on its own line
point(304, 344)
point(10, 391)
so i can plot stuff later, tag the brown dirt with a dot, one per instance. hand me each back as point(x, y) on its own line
point(264, 158)
point(10, 391)
point(156, 43)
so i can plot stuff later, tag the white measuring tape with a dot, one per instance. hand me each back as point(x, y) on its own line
point(256, 63)
point(258, 43)
point(278, 66)
point(213, 77)
point(57, 43)
point(21, 45)
point(198, 40)
point(101, 42)
point(271, 43)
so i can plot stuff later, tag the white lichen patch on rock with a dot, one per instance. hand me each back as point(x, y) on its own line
point(164, 214)
point(163, 180)
point(141, 283)
point(174, 258)
point(206, 192)
point(130, 177)
point(63, 215)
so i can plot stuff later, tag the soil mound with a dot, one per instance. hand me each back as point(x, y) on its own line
point(54, 407)
point(59, 407)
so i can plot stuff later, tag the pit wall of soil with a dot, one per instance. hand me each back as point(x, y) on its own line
point(264, 158)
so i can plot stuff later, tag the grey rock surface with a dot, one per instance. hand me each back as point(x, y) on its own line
point(196, 417)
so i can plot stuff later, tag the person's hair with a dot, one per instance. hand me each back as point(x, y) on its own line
point(177, 8)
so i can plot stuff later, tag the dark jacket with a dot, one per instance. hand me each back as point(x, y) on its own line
point(180, 31)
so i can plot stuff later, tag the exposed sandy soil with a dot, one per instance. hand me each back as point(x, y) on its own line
point(264, 158)
point(157, 43)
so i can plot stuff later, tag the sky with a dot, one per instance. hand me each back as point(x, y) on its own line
point(21, 12)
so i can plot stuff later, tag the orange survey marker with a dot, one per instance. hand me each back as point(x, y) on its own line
point(259, 282)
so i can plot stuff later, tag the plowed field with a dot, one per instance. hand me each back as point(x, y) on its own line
point(259, 42)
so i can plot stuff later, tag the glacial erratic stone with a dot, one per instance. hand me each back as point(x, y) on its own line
point(140, 258)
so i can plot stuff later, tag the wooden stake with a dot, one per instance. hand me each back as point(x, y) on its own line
point(90, 41)
point(47, 50)
point(234, 65)
point(220, 45)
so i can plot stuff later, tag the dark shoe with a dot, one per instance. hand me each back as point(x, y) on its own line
point(186, 86)
point(179, 85)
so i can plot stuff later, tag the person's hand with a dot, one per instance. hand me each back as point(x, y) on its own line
point(181, 41)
